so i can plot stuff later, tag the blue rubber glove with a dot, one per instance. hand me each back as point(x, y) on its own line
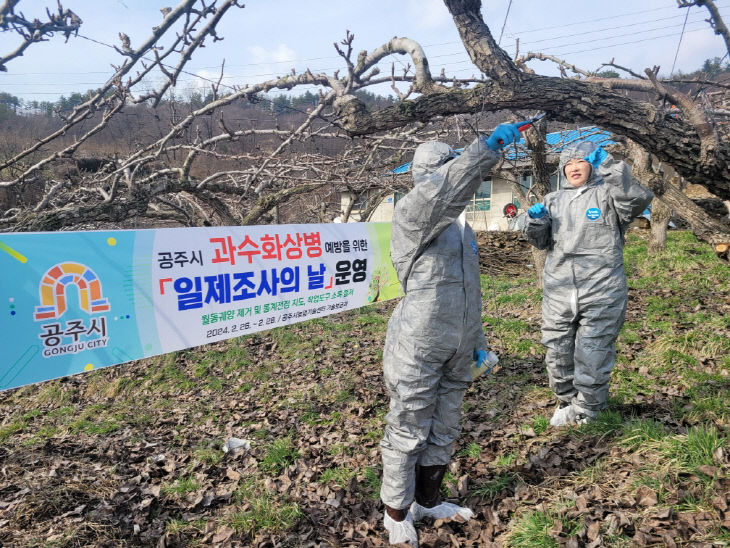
point(537, 211)
point(503, 135)
point(596, 157)
point(480, 356)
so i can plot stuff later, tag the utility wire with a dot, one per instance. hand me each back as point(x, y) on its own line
point(199, 77)
point(452, 71)
point(600, 19)
point(627, 43)
point(505, 22)
point(229, 65)
point(615, 36)
point(686, 15)
point(547, 47)
point(599, 31)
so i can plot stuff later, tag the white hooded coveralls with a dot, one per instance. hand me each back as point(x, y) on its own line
point(437, 326)
point(584, 285)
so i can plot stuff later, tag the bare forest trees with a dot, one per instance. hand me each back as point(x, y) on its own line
point(208, 164)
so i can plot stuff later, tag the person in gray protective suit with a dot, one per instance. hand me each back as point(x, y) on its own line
point(435, 332)
point(582, 226)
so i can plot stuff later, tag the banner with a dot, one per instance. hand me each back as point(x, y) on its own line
point(78, 301)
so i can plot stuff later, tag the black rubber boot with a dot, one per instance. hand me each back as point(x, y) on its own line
point(428, 484)
point(396, 515)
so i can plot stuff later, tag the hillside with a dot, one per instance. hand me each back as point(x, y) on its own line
point(132, 455)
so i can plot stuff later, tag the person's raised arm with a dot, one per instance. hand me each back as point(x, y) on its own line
point(437, 200)
point(629, 197)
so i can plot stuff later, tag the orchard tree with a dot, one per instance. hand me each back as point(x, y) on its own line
point(205, 166)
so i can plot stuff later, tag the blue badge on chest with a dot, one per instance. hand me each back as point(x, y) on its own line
point(474, 247)
point(593, 213)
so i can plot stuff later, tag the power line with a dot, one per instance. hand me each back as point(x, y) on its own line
point(431, 57)
point(599, 31)
point(268, 63)
point(680, 40)
point(627, 43)
point(197, 77)
point(613, 37)
point(599, 19)
point(505, 22)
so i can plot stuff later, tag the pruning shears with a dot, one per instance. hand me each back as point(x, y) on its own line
point(526, 124)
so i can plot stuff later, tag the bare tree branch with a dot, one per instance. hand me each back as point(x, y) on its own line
point(705, 227)
point(679, 141)
point(715, 20)
point(64, 21)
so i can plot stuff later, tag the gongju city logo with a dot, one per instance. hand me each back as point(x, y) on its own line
point(73, 335)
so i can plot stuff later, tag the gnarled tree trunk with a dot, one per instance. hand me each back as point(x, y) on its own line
point(706, 228)
point(540, 185)
point(660, 214)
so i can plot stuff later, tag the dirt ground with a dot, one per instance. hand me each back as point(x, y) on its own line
point(132, 455)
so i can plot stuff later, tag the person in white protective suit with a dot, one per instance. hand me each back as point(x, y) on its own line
point(582, 225)
point(435, 332)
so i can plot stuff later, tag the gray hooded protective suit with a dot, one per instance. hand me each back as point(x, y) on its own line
point(436, 327)
point(584, 285)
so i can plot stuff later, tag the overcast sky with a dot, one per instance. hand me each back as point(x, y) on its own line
point(269, 38)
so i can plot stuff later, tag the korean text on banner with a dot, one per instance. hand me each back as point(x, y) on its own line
point(78, 301)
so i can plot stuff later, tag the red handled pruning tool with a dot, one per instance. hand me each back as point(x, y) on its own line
point(526, 124)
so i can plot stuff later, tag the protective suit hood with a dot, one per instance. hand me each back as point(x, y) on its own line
point(577, 151)
point(428, 158)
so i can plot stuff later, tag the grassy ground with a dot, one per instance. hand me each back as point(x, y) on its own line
point(132, 456)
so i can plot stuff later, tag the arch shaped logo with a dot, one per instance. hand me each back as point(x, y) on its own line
point(54, 283)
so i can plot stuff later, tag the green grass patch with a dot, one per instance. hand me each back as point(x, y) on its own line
point(592, 473)
point(30, 415)
point(626, 383)
point(684, 263)
point(606, 423)
point(371, 483)
point(531, 530)
point(41, 435)
point(343, 396)
point(708, 399)
point(697, 448)
point(473, 450)
point(10, 429)
point(449, 480)
point(641, 433)
point(515, 335)
point(340, 475)
point(505, 461)
point(655, 482)
point(629, 334)
point(311, 415)
point(278, 455)
point(540, 424)
point(263, 511)
point(53, 393)
point(179, 525)
point(62, 412)
point(182, 486)
point(491, 489)
point(371, 317)
point(92, 427)
point(507, 325)
point(337, 449)
point(208, 455)
point(169, 375)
